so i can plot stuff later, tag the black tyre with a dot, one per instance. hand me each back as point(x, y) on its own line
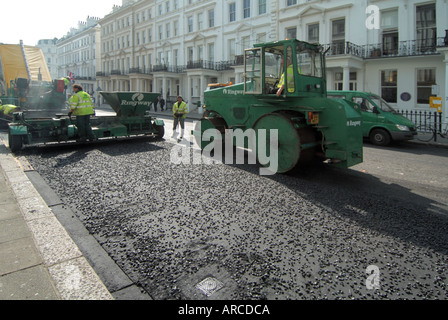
point(424, 133)
point(160, 132)
point(208, 123)
point(379, 137)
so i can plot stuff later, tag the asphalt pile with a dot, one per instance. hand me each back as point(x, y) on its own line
point(170, 226)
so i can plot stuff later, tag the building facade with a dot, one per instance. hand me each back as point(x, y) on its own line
point(397, 49)
point(78, 55)
point(49, 49)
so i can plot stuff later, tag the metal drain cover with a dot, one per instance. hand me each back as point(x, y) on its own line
point(209, 286)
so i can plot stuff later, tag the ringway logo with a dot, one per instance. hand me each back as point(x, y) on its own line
point(233, 92)
point(137, 97)
point(351, 123)
point(137, 100)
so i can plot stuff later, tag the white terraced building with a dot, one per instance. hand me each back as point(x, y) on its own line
point(397, 49)
point(49, 49)
point(78, 54)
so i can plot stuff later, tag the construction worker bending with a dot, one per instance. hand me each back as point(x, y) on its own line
point(180, 111)
point(81, 106)
point(7, 110)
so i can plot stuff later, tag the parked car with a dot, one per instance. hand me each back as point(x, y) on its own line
point(381, 124)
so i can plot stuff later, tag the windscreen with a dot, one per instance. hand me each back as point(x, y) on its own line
point(309, 62)
point(273, 67)
point(382, 104)
point(252, 66)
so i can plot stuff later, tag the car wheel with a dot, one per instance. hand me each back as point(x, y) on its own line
point(380, 137)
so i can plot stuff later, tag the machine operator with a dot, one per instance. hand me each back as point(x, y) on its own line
point(81, 106)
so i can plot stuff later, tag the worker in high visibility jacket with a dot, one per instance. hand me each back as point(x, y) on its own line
point(289, 78)
point(81, 106)
point(66, 81)
point(66, 84)
point(180, 111)
point(7, 110)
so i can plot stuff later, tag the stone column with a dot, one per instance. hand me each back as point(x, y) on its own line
point(346, 79)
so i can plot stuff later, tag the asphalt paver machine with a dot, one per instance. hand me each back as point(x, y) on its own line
point(131, 119)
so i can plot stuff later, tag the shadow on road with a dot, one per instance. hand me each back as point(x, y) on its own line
point(364, 199)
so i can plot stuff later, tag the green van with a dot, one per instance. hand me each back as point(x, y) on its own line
point(380, 122)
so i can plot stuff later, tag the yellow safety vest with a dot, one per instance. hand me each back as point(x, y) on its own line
point(290, 79)
point(182, 108)
point(66, 81)
point(81, 104)
point(8, 108)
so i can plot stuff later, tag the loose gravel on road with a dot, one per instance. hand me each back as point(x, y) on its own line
point(309, 236)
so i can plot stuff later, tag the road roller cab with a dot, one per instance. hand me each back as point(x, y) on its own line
point(307, 126)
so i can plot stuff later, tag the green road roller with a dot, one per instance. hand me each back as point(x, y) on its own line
point(283, 98)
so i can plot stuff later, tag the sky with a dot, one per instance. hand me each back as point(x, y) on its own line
point(31, 20)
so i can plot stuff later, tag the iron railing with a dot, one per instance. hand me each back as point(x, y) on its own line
point(380, 50)
point(370, 51)
point(209, 65)
point(238, 60)
point(200, 64)
point(424, 120)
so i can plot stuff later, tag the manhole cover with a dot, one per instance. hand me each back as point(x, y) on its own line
point(209, 286)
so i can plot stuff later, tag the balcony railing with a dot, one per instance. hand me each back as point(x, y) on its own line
point(176, 69)
point(201, 64)
point(135, 70)
point(400, 49)
point(442, 41)
point(222, 65)
point(168, 68)
point(209, 65)
point(344, 48)
point(238, 61)
point(159, 68)
point(138, 70)
point(84, 78)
